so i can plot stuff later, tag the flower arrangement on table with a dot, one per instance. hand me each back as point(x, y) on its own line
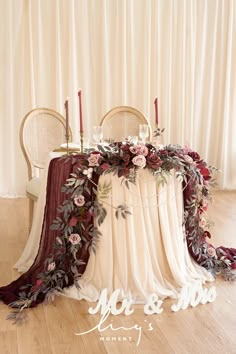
point(85, 199)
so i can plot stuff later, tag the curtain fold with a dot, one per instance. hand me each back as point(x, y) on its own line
point(121, 52)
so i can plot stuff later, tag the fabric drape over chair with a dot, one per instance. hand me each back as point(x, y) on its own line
point(56, 180)
point(41, 131)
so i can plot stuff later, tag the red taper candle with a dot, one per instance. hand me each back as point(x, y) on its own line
point(156, 110)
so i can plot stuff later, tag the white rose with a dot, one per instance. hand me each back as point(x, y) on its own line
point(88, 172)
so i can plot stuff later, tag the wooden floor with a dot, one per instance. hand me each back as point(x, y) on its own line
point(51, 328)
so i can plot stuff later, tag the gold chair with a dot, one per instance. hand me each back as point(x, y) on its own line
point(41, 131)
point(123, 121)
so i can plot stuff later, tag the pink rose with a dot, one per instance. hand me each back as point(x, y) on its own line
point(203, 222)
point(134, 149)
point(188, 159)
point(203, 205)
point(143, 150)
point(75, 239)
point(211, 251)
point(79, 200)
point(139, 161)
point(51, 266)
point(139, 149)
point(94, 159)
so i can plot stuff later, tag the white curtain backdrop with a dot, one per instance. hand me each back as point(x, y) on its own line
point(121, 52)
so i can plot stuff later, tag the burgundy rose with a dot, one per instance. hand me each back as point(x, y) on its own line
point(163, 153)
point(154, 161)
point(85, 216)
point(205, 173)
point(105, 166)
point(126, 158)
point(123, 172)
point(124, 147)
point(73, 221)
point(115, 160)
point(195, 156)
point(204, 170)
point(207, 234)
point(38, 282)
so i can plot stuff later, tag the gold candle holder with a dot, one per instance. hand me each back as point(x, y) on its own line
point(82, 142)
point(67, 143)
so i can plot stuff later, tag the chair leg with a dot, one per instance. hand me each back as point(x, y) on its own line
point(31, 212)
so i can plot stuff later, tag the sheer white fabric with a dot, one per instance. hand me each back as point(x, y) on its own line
point(146, 252)
point(31, 247)
point(121, 53)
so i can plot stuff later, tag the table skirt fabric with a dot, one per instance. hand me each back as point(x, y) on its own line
point(146, 252)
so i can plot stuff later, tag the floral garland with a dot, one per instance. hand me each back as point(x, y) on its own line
point(85, 200)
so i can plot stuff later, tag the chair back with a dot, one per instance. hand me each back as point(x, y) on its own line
point(121, 122)
point(41, 131)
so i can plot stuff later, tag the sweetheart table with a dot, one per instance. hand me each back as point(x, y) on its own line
point(128, 217)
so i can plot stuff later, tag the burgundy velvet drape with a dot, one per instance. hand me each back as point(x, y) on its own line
point(59, 171)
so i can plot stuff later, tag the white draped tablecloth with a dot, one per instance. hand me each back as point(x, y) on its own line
point(145, 253)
